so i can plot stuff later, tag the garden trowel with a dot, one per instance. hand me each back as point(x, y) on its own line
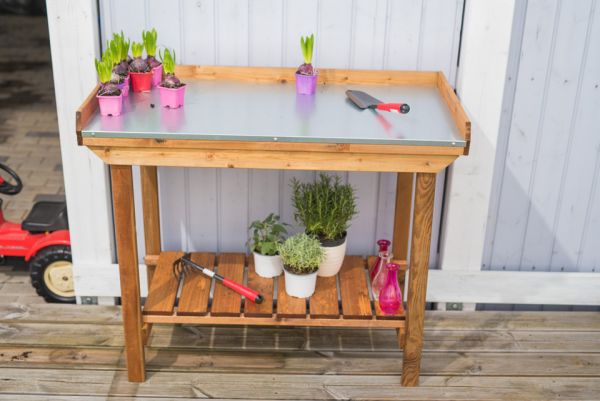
point(365, 101)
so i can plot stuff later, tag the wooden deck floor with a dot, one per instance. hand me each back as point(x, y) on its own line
point(54, 352)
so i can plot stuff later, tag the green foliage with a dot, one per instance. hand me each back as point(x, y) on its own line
point(149, 38)
point(168, 60)
point(116, 48)
point(307, 44)
point(124, 45)
point(267, 235)
point(325, 207)
point(137, 49)
point(301, 254)
point(104, 69)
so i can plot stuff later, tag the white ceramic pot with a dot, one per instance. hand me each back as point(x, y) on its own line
point(267, 266)
point(333, 259)
point(300, 285)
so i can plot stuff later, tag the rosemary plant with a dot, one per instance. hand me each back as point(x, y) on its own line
point(324, 207)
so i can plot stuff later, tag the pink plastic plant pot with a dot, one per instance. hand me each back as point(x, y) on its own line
point(157, 75)
point(124, 86)
point(172, 98)
point(110, 105)
point(306, 84)
point(141, 81)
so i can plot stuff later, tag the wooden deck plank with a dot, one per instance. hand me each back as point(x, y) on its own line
point(307, 362)
point(434, 320)
point(195, 292)
point(324, 302)
point(282, 386)
point(225, 301)
point(264, 286)
point(288, 306)
point(356, 303)
point(322, 339)
point(163, 289)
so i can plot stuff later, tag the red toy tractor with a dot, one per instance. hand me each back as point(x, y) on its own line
point(42, 240)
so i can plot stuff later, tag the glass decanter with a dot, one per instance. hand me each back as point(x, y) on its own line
point(379, 280)
point(383, 249)
point(390, 295)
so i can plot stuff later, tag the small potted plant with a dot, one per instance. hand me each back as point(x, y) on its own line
point(120, 73)
point(306, 75)
point(172, 90)
point(301, 255)
point(325, 208)
point(124, 64)
point(109, 95)
point(149, 39)
point(139, 70)
point(267, 235)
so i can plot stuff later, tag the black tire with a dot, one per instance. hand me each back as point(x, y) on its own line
point(38, 266)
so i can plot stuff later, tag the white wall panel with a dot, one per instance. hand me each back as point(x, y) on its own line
point(210, 209)
point(547, 210)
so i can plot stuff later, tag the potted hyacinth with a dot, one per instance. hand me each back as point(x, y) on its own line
point(306, 75)
point(301, 255)
point(123, 66)
point(139, 70)
point(120, 73)
point(325, 208)
point(267, 235)
point(172, 90)
point(109, 95)
point(149, 39)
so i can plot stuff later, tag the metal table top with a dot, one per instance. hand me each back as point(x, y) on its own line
point(266, 112)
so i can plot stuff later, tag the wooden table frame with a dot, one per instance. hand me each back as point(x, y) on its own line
point(121, 154)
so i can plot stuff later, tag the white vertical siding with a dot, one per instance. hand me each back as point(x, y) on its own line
point(547, 207)
point(210, 209)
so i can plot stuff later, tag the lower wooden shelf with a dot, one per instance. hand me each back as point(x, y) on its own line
point(341, 301)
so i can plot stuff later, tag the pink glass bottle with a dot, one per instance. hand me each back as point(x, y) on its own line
point(383, 248)
point(390, 296)
point(379, 280)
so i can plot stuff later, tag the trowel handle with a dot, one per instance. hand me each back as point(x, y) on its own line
point(396, 107)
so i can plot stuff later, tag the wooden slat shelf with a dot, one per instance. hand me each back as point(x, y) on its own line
point(343, 301)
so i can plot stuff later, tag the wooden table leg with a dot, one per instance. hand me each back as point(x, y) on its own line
point(417, 281)
point(122, 187)
point(150, 208)
point(402, 214)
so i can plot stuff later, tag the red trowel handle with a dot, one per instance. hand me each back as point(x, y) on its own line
point(397, 107)
point(243, 290)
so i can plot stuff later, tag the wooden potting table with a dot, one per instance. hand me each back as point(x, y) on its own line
point(252, 118)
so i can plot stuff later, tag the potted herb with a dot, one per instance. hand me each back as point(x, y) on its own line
point(301, 255)
point(306, 75)
point(149, 38)
point(325, 208)
point(172, 90)
point(109, 95)
point(120, 73)
point(139, 70)
point(267, 235)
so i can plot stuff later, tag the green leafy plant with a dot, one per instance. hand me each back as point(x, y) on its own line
point(324, 207)
point(150, 38)
point(138, 64)
point(168, 59)
point(307, 45)
point(301, 254)
point(267, 234)
point(104, 69)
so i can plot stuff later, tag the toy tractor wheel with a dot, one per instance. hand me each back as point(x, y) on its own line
point(51, 273)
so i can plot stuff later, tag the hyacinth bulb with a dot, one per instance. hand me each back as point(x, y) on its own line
point(171, 81)
point(139, 65)
point(306, 69)
point(109, 89)
point(121, 69)
point(152, 61)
